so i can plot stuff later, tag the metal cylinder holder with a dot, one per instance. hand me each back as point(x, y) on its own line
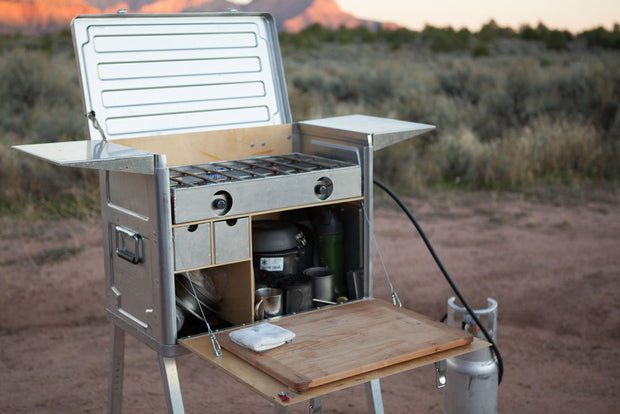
point(472, 379)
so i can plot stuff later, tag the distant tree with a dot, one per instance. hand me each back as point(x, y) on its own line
point(491, 31)
point(397, 38)
point(446, 39)
point(600, 37)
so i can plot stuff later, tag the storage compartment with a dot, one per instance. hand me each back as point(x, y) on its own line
point(288, 242)
point(231, 240)
point(293, 234)
point(192, 246)
point(227, 291)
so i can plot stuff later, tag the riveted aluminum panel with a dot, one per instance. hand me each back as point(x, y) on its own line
point(231, 240)
point(99, 155)
point(268, 193)
point(364, 130)
point(166, 74)
point(192, 246)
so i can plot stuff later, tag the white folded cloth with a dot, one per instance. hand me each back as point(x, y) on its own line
point(262, 337)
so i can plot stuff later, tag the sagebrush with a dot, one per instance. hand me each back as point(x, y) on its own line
point(510, 113)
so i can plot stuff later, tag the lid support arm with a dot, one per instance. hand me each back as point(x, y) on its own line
point(93, 119)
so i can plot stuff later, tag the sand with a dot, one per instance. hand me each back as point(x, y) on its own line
point(552, 264)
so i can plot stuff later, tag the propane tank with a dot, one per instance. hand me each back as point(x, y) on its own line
point(472, 379)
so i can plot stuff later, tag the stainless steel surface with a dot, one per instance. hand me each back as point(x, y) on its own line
point(268, 303)
point(161, 74)
point(129, 245)
point(98, 155)
point(231, 240)
point(192, 246)
point(374, 400)
point(315, 406)
point(325, 142)
point(140, 295)
point(198, 303)
point(277, 409)
point(271, 190)
point(322, 282)
point(115, 373)
point(472, 379)
point(355, 283)
point(440, 374)
point(172, 386)
point(376, 132)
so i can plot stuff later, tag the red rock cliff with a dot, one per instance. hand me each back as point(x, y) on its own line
point(324, 12)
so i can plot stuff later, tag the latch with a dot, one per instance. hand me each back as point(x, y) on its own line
point(440, 373)
point(129, 245)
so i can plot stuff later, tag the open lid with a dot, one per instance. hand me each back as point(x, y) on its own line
point(160, 74)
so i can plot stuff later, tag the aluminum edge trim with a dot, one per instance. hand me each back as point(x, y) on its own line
point(372, 131)
point(92, 154)
point(165, 247)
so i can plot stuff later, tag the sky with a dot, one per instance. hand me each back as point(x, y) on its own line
point(572, 15)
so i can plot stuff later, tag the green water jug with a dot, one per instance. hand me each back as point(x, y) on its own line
point(329, 232)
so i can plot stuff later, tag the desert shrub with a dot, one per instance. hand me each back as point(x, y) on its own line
point(40, 102)
point(558, 40)
point(491, 31)
point(465, 82)
point(446, 39)
point(356, 87)
point(546, 152)
point(481, 49)
point(38, 96)
point(600, 37)
point(553, 39)
point(521, 117)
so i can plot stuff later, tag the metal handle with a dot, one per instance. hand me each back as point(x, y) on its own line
point(123, 251)
point(256, 309)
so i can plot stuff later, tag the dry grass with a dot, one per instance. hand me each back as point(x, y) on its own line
point(520, 119)
point(524, 118)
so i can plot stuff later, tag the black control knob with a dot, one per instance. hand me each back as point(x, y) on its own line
point(323, 188)
point(219, 204)
point(320, 190)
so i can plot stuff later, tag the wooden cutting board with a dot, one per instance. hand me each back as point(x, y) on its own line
point(346, 340)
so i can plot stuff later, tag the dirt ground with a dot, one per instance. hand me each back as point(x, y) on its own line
point(552, 264)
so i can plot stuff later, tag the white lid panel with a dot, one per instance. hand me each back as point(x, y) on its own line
point(147, 75)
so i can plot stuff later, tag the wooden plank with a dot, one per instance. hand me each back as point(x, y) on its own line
point(211, 146)
point(347, 340)
point(268, 387)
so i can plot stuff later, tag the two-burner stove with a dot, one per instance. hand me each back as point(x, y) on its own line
point(216, 189)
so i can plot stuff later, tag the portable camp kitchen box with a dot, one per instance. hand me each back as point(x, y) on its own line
point(191, 130)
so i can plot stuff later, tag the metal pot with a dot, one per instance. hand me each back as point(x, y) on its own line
point(280, 250)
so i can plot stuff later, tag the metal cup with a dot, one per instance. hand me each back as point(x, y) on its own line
point(268, 303)
point(297, 294)
point(322, 283)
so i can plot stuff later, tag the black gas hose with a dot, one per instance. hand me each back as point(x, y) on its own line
point(496, 353)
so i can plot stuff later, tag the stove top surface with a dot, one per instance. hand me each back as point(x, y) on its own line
point(249, 168)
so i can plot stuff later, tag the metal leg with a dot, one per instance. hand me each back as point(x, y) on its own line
point(315, 406)
point(373, 397)
point(115, 376)
point(172, 387)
